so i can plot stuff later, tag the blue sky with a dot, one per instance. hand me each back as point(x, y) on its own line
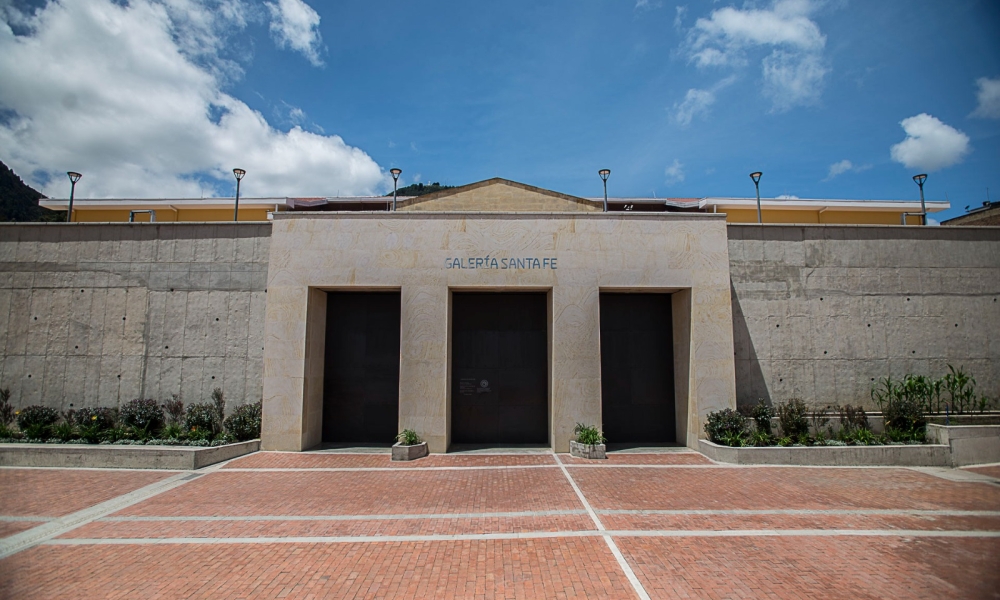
point(678, 99)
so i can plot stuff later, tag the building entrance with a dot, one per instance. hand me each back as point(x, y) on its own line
point(637, 368)
point(499, 388)
point(361, 375)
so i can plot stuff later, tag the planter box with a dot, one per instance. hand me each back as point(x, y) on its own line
point(587, 450)
point(970, 444)
point(179, 458)
point(924, 455)
point(401, 452)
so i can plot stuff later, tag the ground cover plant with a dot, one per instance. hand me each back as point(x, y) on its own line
point(408, 437)
point(588, 434)
point(139, 421)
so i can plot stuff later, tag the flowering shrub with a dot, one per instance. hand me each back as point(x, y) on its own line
point(145, 415)
point(31, 416)
point(244, 423)
point(726, 427)
point(100, 417)
point(200, 417)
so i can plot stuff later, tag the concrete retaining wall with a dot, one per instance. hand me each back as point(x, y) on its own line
point(820, 312)
point(926, 455)
point(98, 314)
point(181, 458)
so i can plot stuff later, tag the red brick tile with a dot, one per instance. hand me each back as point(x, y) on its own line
point(383, 527)
point(856, 568)
point(364, 493)
point(779, 487)
point(295, 460)
point(58, 492)
point(566, 568)
point(664, 458)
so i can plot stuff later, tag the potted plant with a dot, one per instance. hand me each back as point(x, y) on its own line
point(589, 442)
point(408, 446)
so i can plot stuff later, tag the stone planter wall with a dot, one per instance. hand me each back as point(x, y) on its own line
point(596, 451)
point(401, 452)
point(970, 444)
point(925, 455)
point(180, 458)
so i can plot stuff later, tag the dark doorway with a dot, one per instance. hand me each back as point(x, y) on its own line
point(637, 368)
point(361, 376)
point(499, 390)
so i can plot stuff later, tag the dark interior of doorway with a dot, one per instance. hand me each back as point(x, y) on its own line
point(637, 368)
point(361, 374)
point(499, 392)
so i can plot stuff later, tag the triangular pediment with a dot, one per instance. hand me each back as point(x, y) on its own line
point(499, 195)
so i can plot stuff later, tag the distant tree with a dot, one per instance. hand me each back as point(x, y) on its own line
point(419, 189)
point(19, 201)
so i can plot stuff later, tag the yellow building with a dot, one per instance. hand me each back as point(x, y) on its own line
point(737, 210)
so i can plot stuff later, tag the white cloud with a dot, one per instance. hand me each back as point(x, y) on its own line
point(114, 92)
point(295, 24)
point(698, 102)
point(786, 197)
point(988, 97)
point(930, 144)
point(647, 4)
point(679, 16)
point(793, 73)
point(844, 166)
point(674, 172)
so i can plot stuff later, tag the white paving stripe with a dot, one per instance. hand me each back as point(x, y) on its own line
point(541, 513)
point(380, 469)
point(629, 573)
point(36, 519)
point(606, 534)
point(492, 515)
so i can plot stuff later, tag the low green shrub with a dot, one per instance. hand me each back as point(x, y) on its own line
point(101, 417)
point(244, 423)
point(792, 419)
point(174, 410)
point(727, 427)
point(408, 437)
point(588, 434)
point(762, 413)
point(145, 416)
point(200, 417)
point(66, 430)
point(6, 408)
point(36, 421)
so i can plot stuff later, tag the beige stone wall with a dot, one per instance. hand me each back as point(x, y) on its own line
point(623, 251)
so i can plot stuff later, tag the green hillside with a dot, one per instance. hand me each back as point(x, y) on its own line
point(19, 201)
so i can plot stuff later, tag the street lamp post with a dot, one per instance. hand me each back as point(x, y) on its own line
point(395, 180)
point(605, 173)
point(239, 173)
point(756, 184)
point(920, 179)
point(73, 178)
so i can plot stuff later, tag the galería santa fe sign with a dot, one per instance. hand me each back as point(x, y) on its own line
point(500, 263)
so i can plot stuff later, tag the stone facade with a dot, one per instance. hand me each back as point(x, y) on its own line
point(416, 253)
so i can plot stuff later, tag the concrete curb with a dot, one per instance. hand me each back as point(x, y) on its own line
point(925, 455)
point(179, 458)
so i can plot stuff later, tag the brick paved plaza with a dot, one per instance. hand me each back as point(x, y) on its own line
point(667, 525)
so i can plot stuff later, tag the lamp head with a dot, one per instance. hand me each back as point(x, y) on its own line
point(756, 177)
point(920, 179)
point(239, 173)
point(604, 173)
point(74, 176)
point(395, 173)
